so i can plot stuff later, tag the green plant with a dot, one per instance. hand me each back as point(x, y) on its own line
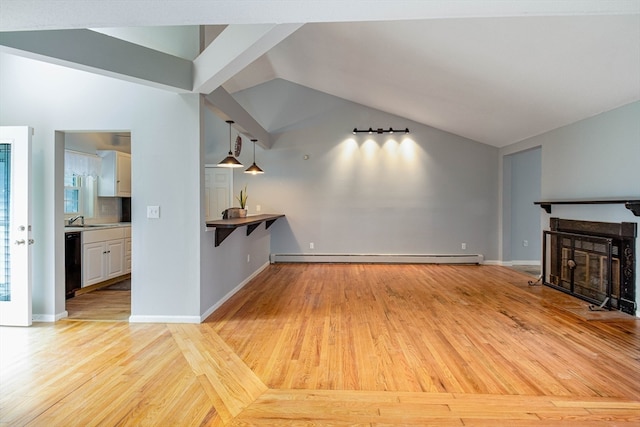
point(243, 198)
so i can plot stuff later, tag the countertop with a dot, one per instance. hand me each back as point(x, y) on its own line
point(239, 222)
point(90, 227)
point(224, 227)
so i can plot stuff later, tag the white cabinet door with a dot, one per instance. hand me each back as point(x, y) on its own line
point(123, 182)
point(115, 175)
point(93, 258)
point(114, 265)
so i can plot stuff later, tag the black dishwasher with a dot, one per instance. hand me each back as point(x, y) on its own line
point(72, 263)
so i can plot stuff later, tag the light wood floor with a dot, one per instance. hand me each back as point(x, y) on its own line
point(363, 345)
point(102, 305)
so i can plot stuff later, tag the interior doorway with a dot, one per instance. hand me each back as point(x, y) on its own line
point(97, 208)
point(522, 227)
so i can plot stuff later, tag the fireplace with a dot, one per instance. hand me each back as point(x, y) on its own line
point(594, 261)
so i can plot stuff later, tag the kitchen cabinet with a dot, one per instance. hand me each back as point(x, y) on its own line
point(103, 255)
point(115, 175)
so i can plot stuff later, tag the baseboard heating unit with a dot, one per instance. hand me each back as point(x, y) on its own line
point(378, 259)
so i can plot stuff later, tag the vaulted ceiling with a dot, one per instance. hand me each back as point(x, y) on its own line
point(494, 72)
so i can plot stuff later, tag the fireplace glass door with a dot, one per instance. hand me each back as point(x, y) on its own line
point(585, 266)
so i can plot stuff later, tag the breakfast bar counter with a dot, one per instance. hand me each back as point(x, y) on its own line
point(224, 227)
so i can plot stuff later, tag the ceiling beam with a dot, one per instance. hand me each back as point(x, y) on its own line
point(101, 54)
point(227, 108)
point(235, 48)
point(46, 14)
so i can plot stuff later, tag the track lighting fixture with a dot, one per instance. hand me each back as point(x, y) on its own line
point(254, 169)
point(230, 161)
point(370, 131)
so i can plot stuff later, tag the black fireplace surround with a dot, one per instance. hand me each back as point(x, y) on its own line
point(594, 261)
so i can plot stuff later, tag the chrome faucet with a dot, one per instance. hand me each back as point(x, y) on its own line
point(75, 218)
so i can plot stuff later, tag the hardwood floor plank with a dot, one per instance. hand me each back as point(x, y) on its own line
point(234, 384)
point(100, 305)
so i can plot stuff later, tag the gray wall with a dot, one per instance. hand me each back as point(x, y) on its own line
point(425, 193)
point(240, 256)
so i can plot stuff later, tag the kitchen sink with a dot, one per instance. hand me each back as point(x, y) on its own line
point(88, 225)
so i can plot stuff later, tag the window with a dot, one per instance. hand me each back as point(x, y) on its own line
point(72, 195)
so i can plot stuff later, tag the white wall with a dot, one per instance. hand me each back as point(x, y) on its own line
point(165, 130)
point(425, 193)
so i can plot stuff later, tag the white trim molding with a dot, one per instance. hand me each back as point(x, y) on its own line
point(163, 319)
point(49, 317)
point(379, 258)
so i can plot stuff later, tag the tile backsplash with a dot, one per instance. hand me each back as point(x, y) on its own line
point(107, 210)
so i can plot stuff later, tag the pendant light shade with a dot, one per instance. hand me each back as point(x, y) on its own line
point(230, 161)
point(254, 169)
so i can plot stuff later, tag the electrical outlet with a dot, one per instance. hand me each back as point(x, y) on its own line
point(258, 208)
point(311, 245)
point(464, 246)
point(153, 212)
point(525, 243)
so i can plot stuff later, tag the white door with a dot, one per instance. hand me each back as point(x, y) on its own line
point(15, 226)
point(218, 189)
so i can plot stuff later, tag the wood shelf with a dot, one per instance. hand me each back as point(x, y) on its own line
point(224, 227)
point(633, 204)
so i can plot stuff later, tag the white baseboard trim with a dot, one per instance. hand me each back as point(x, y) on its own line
point(163, 319)
point(379, 258)
point(526, 262)
point(49, 317)
point(232, 292)
point(522, 262)
point(492, 262)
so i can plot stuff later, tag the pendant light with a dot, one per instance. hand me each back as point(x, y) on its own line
point(230, 161)
point(254, 169)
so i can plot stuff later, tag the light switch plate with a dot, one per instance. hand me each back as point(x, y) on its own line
point(153, 212)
